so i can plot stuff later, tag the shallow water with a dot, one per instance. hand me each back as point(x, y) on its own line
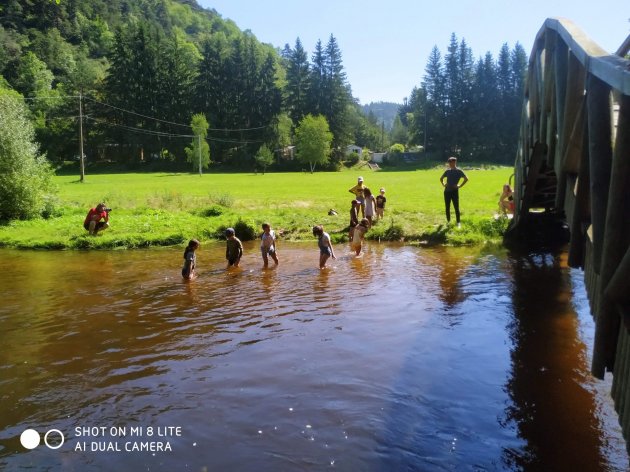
point(403, 359)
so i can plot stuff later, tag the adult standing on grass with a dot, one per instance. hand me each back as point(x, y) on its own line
point(451, 188)
point(97, 219)
point(357, 190)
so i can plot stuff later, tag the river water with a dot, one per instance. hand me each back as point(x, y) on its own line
point(406, 359)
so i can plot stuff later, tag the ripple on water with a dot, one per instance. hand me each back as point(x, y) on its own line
point(403, 359)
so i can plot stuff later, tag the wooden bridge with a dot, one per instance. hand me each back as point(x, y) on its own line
point(573, 165)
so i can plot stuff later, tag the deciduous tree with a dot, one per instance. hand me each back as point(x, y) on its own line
point(313, 139)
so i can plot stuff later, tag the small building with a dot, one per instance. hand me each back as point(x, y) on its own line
point(354, 148)
point(378, 157)
point(287, 152)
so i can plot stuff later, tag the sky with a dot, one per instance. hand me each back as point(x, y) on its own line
point(385, 44)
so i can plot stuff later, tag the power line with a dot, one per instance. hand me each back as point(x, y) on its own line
point(137, 114)
point(224, 130)
point(141, 130)
point(170, 135)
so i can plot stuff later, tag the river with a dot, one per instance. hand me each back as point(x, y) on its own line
point(405, 359)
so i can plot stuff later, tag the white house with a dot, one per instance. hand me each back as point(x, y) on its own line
point(378, 157)
point(354, 148)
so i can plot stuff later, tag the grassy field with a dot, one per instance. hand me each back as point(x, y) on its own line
point(168, 209)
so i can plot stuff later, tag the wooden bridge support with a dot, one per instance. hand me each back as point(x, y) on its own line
point(575, 136)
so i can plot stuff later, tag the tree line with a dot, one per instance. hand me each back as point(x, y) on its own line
point(169, 60)
point(142, 69)
point(464, 107)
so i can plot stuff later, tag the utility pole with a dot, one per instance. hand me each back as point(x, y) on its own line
point(383, 135)
point(81, 161)
point(199, 151)
point(425, 130)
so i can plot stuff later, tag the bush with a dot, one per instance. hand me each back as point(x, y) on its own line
point(225, 199)
point(352, 158)
point(393, 232)
point(244, 231)
point(214, 210)
point(25, 175)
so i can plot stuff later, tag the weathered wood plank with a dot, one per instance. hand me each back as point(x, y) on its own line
point(617, 235)
point(600, 158)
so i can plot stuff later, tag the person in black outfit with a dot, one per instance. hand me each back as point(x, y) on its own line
point(451, 188)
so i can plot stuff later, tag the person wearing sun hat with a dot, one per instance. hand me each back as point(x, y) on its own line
point(357, 191)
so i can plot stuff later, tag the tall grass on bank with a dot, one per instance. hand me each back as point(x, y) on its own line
point(168, 209)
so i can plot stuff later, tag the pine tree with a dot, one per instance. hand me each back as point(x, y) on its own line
point(297, 87)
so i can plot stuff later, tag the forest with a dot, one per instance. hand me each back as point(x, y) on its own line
point(134, 73)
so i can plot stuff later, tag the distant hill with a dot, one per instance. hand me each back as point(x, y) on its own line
point(385, 112)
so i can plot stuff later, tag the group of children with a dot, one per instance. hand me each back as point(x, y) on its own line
point(364, 201)
point(233, 250)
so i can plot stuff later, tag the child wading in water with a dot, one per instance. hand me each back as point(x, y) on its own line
point(268, 244)
point(234, 248)
point(354, 217)
point(358, 235)
point(325, 246)
point(190, 260)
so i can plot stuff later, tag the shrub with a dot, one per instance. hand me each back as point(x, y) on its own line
point(25, 175)
point(243, 230)
point(225, 199)
point(214, 210)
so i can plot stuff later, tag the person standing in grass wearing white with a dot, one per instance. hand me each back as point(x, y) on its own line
point(325, 246)
point(370, 204)
point(268, 244)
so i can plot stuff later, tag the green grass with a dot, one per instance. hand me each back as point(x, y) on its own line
point(167, 209)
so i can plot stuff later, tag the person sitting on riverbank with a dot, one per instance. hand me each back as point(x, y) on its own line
point(325, 246)
point(506, 201)
point(97, 219)
point(190, 260)
point(234, 248)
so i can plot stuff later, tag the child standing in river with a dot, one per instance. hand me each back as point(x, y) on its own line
point(358, 235)
point(325, 246)
point(190, 260)
point(268, 244)
point(234, 248)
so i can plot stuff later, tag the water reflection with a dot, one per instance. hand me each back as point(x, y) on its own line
point(549, 377)
point(403, 359)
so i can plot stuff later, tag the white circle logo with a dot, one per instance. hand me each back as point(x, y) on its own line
point(53, 446)
point(30, 438)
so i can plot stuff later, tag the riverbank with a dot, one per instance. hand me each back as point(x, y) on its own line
point(162, 209)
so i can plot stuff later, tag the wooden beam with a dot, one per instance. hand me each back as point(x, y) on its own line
point(600, 156)
point(573, 115)
point(615, 273)
point(617, 289)
point(582, 210)
point(600, 159)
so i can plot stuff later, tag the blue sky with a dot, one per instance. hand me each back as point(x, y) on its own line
point(385, 44)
